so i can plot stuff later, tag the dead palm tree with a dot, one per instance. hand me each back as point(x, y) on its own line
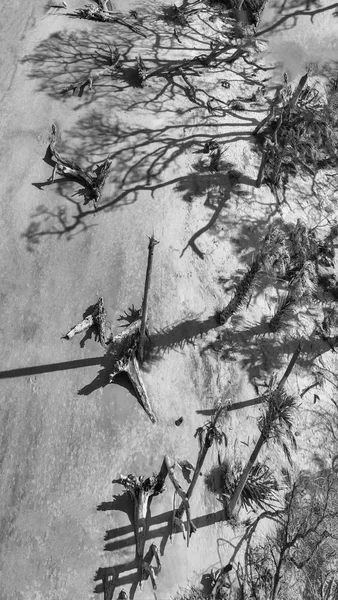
point(274, 424)
point(273, 257)
point(208, 434)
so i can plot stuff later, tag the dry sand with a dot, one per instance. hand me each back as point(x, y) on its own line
point(60, 449)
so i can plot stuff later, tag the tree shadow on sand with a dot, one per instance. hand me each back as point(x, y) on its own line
point(149, 151)
point(289, 20)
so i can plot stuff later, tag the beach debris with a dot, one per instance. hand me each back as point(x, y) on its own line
point(225, 83)
point(148, 569)
point(141, 70)
point(114, 61)
point(179, 421)
point(220, 582)
point(124, 350)
point(97, 319)
point(97, 13)
point(123, 354)
point(92, 179)
point(141, 490)
point(213, 148)
point(185, 506)
point(187, 469)
point(299, 135)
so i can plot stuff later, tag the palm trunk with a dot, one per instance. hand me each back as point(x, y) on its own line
point(291, 364)
point(202, 454)
point(244, 477)
point(152, 244)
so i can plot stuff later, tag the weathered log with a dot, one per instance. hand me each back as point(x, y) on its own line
point(69, 168)
point(129, 364)
point(97, 318)
point(80, 327)
point(141, 490)
point(151, 246)
point(185, 502)
point(149, 569)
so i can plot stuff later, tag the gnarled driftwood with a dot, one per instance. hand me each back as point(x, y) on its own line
point(93, 178)
point(142, 490)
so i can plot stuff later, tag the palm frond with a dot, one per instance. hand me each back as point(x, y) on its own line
point(283, 312)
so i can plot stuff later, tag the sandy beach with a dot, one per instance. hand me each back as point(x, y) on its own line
point(65, 433)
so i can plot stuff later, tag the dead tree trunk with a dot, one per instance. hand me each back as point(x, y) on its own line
point(123, 351)
point(93, 182)
point(96, 319)
point(151, 246)
point(141, 490)
point(185, 502)
point(149, 569)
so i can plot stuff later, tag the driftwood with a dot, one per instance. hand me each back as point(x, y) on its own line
point(124, 349)
point(141, 490)
point(96, 319)
point(97, 13)
point(151, 246)
point(123, 354)
point(121, 350)
point(93, 178)
point(185, 502)
point(114, 63)
point(149, 569)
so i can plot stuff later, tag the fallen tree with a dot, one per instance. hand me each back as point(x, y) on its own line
point(177, 520)
point(125, 349)
point(92, 179)
point(141, 490)
point(123, 354)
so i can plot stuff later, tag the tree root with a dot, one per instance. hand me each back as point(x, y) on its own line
point(92, 181)
point(123, 351)
point(141, 490)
